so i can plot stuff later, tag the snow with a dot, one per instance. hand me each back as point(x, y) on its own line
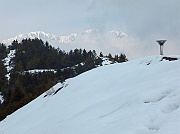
point(7, 62)
point(9, 66)
point(135, 97)
point(40, 71)
point(1, 98)
point(100, 40)
point(8, 59)
point(106, 61)
point(41, 35)
point(54, 39)
point(67, 39)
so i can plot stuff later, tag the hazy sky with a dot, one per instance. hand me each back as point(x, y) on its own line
point(143, 20)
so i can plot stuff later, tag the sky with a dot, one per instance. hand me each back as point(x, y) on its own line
point(144, 21)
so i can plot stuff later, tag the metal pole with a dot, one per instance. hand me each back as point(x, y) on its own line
point(161, 49)
point(161, 43)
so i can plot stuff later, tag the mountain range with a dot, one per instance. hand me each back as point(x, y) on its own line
point(136, 97)
point(42, 35)
point(60, 39)
point(89, 39)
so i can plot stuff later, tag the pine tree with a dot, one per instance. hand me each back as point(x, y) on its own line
point(3, 79)
point(101, 54)
point(123, 58)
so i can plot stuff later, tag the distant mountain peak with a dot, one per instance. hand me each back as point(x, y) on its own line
point(40, 34)
point(32, 35)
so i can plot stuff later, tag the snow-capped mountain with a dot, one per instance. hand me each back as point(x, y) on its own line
point(60, 39)
point(67, 39)
point(42, 35)
point(135, 97)
point(92, 39)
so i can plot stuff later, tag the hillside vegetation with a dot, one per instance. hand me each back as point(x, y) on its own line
point(18, 85)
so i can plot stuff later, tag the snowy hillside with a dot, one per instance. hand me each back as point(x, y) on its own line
point(135, 97)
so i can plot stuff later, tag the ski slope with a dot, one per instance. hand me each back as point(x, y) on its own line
point(136, 97)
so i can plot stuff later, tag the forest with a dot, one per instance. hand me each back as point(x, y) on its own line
point(24, 86)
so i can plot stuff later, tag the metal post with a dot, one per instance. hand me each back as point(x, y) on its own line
point(161, 49)
point(161, 43)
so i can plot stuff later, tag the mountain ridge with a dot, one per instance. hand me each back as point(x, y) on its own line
point(60, 39)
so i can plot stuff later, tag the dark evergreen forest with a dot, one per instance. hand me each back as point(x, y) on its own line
point(24, 86)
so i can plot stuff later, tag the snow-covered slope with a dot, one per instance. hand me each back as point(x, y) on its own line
point(136, 97)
